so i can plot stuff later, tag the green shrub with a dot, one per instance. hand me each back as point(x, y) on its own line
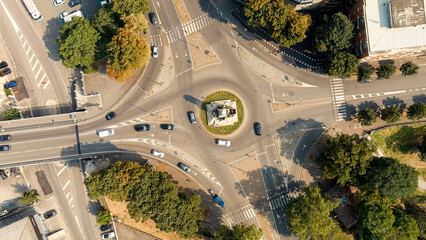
point(90, 69)
point(103, 217)
point(8, 92)
point(10, 114)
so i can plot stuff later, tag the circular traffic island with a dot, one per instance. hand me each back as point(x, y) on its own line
point(222, 113)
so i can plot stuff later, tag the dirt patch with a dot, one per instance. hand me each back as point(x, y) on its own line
point(311, 171)
point(181, 9)
point(160, 116)
point(268, 231)
point(125, 232)
point(44, 184)
point(201, 53)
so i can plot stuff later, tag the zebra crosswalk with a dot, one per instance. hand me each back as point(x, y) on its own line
point(282, 200)
point(240, 215)
point(338, 98)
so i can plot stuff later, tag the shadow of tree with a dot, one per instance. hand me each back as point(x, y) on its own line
point(419, 98)
point(207, 7)
point(393, 100)
point(49, 38)
point(406, 139)
point(350, 111)
point(368, 104)
point(20, 188)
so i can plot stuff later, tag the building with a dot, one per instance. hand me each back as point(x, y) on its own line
point(321, 5)
point(388, 29)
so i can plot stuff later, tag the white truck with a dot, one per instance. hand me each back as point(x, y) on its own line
point(31, 7)
point(69, 17)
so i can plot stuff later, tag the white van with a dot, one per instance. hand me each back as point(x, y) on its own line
point(105, 132)
point(222, 142)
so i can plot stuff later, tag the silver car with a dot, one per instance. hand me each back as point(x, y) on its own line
point(155, 52)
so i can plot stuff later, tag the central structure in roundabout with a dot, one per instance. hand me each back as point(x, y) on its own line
point(222, 113)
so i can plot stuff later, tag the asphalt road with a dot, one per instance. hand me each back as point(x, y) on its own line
point(296, 129)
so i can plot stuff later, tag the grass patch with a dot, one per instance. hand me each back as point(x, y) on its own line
point(402, 143)
point(217, 96)
point(8, 92)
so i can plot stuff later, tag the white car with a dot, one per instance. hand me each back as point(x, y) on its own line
point(105, 2)
point(62, 15)
point(155, 52)
point(108, 235)
point(105, 132)
point(58, 2)
point(222, 142)
point(157, 153)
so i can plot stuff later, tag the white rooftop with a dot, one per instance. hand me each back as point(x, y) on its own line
point(382, 37)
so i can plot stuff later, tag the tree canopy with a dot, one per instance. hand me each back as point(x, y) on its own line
point(342, 64)
point(404, 227)
point(127, 7)
point(422, 149)
point(346, 157)
point(409, 69)
point(333, 33)
point(128, 50)
point(375, 220)
point(390, 114)
point(106, 22)
point(416, 111)
point(390, 178)
point(364, 73)
point(29, 197)
point(386, 71)
point(309, 216)
point(10, 114)
point(148, 195)
point(280, 20)
point(238, 232)
point(77, 43)
point(367, 117)
point(103, 217)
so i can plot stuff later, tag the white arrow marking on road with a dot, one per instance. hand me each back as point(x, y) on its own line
point(158, 4)
point(177, 55)
point(186, 54)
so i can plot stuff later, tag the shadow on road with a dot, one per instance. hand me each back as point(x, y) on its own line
point(368, 104)
point(393, 100)
point(192, 100)
point(419, 98)
point(49, 38)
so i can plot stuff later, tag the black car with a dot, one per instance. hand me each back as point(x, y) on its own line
point(74, 3)
point(2, 174)
point(106, 227)
point(110, 116)
point(5, 71)
point(49, 214)
point(5, 147)
point(3, 65)
point(5, 138)
point(142, 127)
point(167, 126)
point(153, 18)
point(257, 129)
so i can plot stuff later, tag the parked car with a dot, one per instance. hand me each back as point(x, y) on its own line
point(6, 137)
point(155, 52)
point(10, 84)
point(58, 2)
point(167, 126)
point(105, 132)
point(223, 142)
point(142, 127)
point(191, 117)
point(49, 214)
point(105, 2)
point(110, 116)
point(184, 167)
point(157, 153)
point(62, 15)
point(5, 71)
point(106, 227)
point(257, 129)
point(2, 174)
point(3, 65)
point(216, 198)
point(108, 235)
point(5, 148)
point(74, 3)
point(153, 18)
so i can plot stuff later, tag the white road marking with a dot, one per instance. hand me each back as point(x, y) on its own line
point(47, 84)
point(66, 184)
point(59, 173)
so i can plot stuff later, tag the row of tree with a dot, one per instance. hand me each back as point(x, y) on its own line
point(280, 20)
point(386, 71)
point(368, 116)
point(383, 183)
point(115, 32)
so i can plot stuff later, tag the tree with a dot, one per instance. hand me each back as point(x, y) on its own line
point(364, 73)
point(390, 114)
point(106, 22)
point(127, 7)
point(409, 69)
point(385, 71)
point(418, 214)
point(422, 149)
point(416, 111)
point(281, 20)
point(29, 197)
point(367, 116)
point(10, 114)
point(333, 33)
point(136, 23)
point(404, 227)
point(375, 220)
point(342, 64)
point(238, 232)
point(103, 217)
point(128, 51)
point(390, 178)
point(309, 216)
point(77, 44)
point(346, 157)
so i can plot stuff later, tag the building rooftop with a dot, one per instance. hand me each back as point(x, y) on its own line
point(382, 36)
point(406, 13)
